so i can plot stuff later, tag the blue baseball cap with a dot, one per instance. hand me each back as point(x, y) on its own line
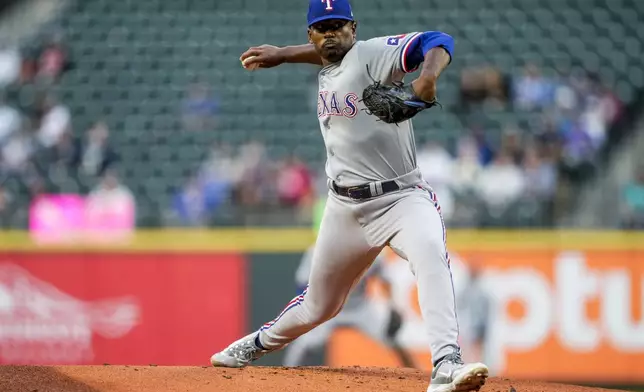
point(320, 10)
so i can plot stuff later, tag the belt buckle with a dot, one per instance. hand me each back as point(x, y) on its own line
point(350, 190)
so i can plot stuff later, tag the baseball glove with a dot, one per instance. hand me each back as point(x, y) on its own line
point(393, 104)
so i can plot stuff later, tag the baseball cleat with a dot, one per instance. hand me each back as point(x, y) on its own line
point(452, 375)
point(239, 354)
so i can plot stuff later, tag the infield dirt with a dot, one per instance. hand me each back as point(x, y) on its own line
point(266, 379)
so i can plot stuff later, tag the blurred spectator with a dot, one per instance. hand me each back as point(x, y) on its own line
point(501, 183)
point(577, 153)
point(96, 155)
point(206, 191)
point(53, 60)
point(611, 106)
point(484, 147)
point(564, 114)
point(602, 109)
point(593, 122)
point(540, 175)
point(294, 183)
point(215, 181)
point(189, 204)
point(9, 64)
point(111, 205)
point(221, 165)
point(56, 120)
point(512, 144)
point(532, 90)
point(547, 134)
point(436, 165)
point(66, 153)
point(582, 83)
point(16, 151)
point(199, 109)
point(633, 201)
point(257, 177)
point(483, 85)
point(10, 120)
point(467, 166)
point(565, 100)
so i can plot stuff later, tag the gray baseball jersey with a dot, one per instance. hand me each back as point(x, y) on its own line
point(360, 148)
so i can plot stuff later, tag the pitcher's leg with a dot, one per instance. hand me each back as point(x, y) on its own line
point(421, 240)
point(340, 258)
point(297, 350)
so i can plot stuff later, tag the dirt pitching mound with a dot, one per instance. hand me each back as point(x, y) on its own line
point(265, 379)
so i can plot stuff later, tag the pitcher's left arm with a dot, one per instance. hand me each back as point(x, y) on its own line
point(434, 50)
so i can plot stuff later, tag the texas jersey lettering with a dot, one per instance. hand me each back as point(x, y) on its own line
point(330, 105)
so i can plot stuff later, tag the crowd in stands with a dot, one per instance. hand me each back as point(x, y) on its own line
point(534, 163)
point(246, 177)
point(41, 151)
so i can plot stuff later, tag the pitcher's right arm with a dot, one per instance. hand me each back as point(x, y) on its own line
point(269, 56)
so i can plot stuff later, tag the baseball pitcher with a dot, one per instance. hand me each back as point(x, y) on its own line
point(377, 196)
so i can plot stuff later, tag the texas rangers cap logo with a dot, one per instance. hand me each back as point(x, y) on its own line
point(320, 10)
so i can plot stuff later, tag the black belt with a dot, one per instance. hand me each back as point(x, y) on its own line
point(362, 192)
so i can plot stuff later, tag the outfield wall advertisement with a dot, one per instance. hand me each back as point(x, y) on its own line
point(562, 306)
point(119, 308)
point(569, 315)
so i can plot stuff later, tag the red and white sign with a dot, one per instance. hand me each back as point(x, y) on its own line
point(166, 309)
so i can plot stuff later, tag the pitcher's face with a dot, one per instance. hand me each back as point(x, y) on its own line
point(333, 38)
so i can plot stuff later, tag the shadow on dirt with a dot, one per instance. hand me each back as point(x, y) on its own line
point(38, 379)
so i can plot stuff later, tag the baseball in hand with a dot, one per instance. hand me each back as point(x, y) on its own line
point(250, 67)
